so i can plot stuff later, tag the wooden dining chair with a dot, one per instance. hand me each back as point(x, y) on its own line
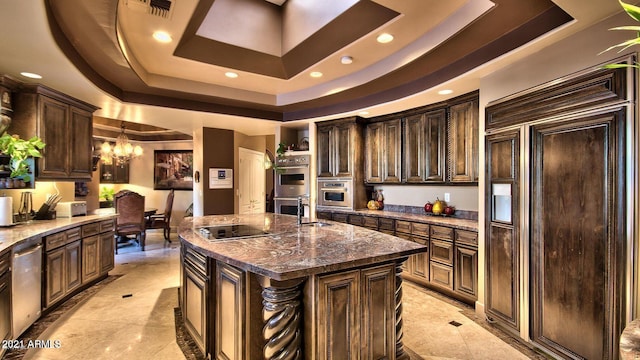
point(131, 221)
point(163, 220)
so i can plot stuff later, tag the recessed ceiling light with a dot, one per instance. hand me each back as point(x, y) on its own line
point(31, 75)
point(162, 36)
point(346, 60)
point(231, 74)
point(445, 92)
point(385, 38)
point(315, 74)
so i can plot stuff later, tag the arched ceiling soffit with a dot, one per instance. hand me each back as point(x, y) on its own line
point(274, 47)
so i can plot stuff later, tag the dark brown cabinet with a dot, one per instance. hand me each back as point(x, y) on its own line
point(340, 148)
point(354, 302)
point(416, 266)
point(425, 147)
point(65, 124)
point(466, 264)
point(570, 279)
point(76, 257)
point(463, 141)
point(383, 150)
point(114, 174)
point(230, 312)
point(195, 283)
point(5, 298)
point(62, 265)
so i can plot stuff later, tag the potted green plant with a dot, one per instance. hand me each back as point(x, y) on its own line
point(107, 194)
point(634, 12)
point(19, 150)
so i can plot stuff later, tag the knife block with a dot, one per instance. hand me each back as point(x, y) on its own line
point(44, 213)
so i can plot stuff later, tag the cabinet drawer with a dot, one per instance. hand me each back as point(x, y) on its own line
point(420, 229)
point(356, 220)
point(55, 241)
point(442, 251)
point(441, 232)
point(386, 224)
point(467, 237)
point(441, 275)
point(107, 225)
point(403, 226)
point(420, 240)
point(73, 234)
point(4, 262)
point(340, 217)
point(90, 229)
point(370, 222)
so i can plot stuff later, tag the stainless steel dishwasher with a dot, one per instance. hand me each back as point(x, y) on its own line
point(26, 285)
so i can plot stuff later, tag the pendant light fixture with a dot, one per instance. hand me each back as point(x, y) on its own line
point(122, 152)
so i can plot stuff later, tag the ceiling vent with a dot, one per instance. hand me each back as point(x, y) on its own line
point(160, 8)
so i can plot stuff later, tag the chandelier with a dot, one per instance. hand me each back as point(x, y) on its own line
point(121, 152)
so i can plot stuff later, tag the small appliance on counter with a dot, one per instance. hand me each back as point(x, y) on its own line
point(71, 208)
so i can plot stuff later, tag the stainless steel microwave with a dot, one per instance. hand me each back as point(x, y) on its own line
point(335, 193)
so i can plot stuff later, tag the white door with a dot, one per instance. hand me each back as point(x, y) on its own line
point(251, 179)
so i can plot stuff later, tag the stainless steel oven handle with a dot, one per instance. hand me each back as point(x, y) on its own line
point(333, 189)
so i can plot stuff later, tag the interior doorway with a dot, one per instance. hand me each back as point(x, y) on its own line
point(251, 180)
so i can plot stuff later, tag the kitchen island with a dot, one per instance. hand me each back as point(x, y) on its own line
point(282, 290)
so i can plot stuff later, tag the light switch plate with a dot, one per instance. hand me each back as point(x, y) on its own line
point(447, 197)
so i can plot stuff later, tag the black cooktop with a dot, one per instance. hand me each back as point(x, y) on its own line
point(222, 232)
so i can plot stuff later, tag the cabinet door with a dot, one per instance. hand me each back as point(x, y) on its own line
point(463, 142)
point(80, 140)
point(435, 128)
point(325, 148)
point(373, 154)
point(107, 243)
point(466, 272)
point(378, 313)
point(578, 234)
point(502, 240)
point(421, 261)
point(114, 174)
point(90, 258)
point(73, 265)
point(338, 308)
point(55, 275)
point(194, 306)
point(54, 132)
point(344, 150)
point(391, 151)
point(230, 312)
point(414, 149)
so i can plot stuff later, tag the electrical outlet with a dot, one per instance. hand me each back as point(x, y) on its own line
point(447, 197)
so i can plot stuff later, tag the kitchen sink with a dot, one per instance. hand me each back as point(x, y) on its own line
point(231, 232)
point(315, 223)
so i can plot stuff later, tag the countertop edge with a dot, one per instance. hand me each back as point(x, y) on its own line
point(12, 236)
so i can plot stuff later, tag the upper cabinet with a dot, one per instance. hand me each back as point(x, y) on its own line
point(463, 141)
point(433, 144)
point(339, 148)
point(383, 151)
point(64, 124)
point(424, 146)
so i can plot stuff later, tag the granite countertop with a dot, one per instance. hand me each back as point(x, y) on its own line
point(630, 341)
point(292, 251)
point(13, 235)
point(463, 224)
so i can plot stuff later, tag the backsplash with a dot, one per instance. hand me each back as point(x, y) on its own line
point(419, 210)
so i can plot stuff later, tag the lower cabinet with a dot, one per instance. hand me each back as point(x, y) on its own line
point(450, 264)
point(230, 312)
point(90, 258)
point(76, 257)
point(195, 284)
point(357, 304)
point(5, 299)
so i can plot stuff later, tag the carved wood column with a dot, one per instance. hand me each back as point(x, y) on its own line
point(282, 316)
point(400, 353)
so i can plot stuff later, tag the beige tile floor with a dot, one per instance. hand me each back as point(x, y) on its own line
point(110, 326)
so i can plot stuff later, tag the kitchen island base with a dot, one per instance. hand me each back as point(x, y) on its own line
point(351, 314)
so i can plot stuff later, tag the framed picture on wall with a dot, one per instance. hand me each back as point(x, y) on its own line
point(173, 169)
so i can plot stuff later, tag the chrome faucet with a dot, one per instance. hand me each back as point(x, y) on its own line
point(300, 210)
